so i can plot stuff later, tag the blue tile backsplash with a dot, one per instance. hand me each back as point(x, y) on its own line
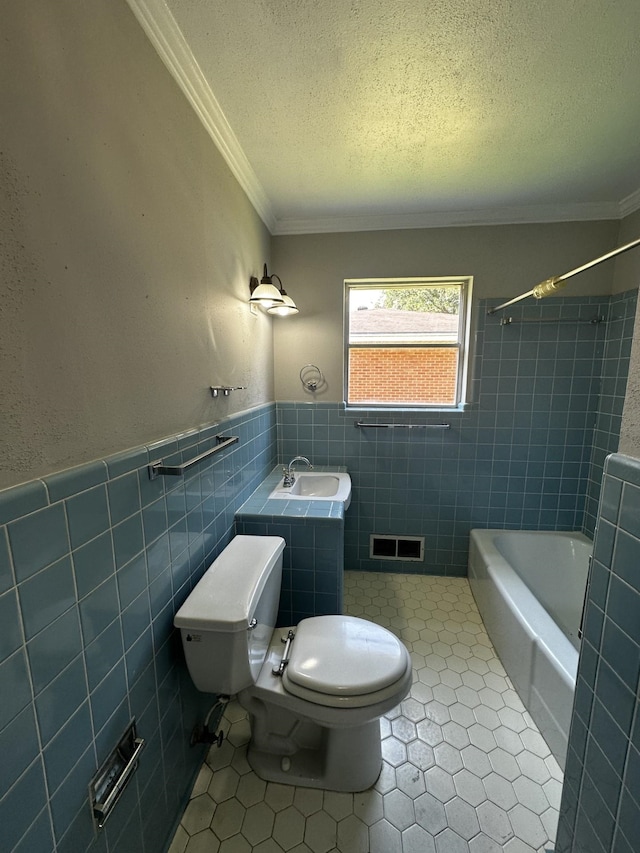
point(548, 391)
point(600, 809)
point(94, 562)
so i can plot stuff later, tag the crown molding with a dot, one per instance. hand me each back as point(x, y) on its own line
point(630, 204)
point(167, 38)
point(447, 219)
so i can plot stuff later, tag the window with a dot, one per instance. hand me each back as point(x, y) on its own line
point(407, 342)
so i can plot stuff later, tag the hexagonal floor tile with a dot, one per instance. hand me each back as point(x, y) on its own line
point(527, 826)
point(440, 784)
point(449, 841)
point(258, 822)
point(500, 791)
point(494, 822)
point(198, 814)
point(394, 751)
point(462, 818)
point(420, 755)
point(203, 842)
point(337, 804)
point(430, 813)
point(320, 832)
point(404, 729)
point(504, 763)
point(530, 794)
point(288, 828)
point(278, 796)
point(385, 838)
point(251, 790)
point(429, 732)
point(469, 787)
point(455, 734)
point(353, 835)
point(465, 770)
point(228, 819)
point(410, 779)
point(417, 840)
point(482, 737)
point(398, 809)
point(476, 761)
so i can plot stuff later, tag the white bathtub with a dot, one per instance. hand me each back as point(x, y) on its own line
point(529, 588)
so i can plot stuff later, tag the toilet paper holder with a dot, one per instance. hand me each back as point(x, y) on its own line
point(107, 786)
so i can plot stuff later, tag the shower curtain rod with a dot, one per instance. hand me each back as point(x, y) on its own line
point(551, 285)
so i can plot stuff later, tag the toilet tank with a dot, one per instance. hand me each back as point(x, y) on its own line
point(224, 648)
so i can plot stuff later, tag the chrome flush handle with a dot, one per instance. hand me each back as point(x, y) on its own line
point(278, 670)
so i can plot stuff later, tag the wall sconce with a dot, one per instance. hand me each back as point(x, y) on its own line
point(267, 295)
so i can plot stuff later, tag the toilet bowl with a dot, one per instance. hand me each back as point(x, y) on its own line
point(314, 693)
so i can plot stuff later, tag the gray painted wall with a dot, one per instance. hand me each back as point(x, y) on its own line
point(127, 247)
point(504, 260)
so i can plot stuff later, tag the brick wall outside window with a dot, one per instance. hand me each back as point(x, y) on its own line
point(403, 376)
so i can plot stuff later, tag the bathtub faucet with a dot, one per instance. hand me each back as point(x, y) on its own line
point(289, 477)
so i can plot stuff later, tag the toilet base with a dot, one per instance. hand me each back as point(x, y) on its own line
point(297, 742)
point(345, 760)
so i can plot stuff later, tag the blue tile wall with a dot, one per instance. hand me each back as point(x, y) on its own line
point(600, 809)
point(524, 456)
point(313, 563)
point(94, 562)
point(613, 385)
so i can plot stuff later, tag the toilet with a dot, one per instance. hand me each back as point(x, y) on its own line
point(314, 693)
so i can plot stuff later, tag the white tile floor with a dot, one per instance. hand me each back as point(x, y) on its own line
point(465, 769)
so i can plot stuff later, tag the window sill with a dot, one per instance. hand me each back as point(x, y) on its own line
point(402, 410)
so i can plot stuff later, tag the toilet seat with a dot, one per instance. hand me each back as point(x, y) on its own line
point(344, 661)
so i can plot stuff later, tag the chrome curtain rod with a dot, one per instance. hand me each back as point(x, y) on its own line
point(551, 285)
point(361, 425)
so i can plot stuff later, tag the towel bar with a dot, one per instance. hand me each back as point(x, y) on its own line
point(157, 468)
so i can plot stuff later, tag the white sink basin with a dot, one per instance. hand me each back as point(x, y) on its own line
point(316, 486)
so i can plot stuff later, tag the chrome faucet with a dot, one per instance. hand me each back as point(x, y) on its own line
point(288, 476)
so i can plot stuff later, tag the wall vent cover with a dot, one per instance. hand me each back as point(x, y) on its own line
point(389, 547)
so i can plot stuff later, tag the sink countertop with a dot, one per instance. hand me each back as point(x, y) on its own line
point(260, 504)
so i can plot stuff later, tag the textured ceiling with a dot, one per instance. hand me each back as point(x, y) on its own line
point(396, 108)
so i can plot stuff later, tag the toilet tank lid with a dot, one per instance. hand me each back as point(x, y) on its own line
point(225, 596)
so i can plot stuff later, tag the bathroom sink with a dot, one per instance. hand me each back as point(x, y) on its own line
point(316, 486)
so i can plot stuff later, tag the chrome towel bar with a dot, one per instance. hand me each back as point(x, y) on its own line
point(361, 425)
point(157, 468)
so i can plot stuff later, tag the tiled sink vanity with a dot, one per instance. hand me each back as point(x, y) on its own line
point(314, 557)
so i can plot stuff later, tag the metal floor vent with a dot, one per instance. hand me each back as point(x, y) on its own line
point(407, 548)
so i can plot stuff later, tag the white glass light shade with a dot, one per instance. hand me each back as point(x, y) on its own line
point(288, 308)
point(266, 295)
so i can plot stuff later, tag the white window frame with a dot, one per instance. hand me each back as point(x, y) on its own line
point(462, 384)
